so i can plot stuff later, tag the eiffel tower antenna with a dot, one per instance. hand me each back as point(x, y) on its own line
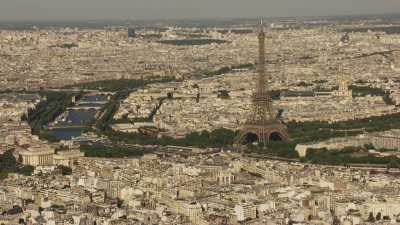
point(262, 124)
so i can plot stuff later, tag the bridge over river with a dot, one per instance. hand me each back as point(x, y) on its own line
point(84, 108)
point(66, 127)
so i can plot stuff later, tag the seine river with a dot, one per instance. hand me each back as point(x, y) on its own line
point(388, 30)
point(78, 118)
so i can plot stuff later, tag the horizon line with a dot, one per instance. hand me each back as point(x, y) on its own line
point(200, 18)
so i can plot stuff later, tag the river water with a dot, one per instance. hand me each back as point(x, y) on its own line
point(78, 117)
point(388, 30)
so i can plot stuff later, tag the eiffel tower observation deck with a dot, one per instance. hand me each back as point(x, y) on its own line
point(262, 124)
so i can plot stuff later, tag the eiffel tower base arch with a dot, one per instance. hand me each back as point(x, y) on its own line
point(262, 134)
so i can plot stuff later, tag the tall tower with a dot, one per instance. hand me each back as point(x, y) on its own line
point(262, 124)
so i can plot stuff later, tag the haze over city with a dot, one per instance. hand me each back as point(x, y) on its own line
point(24, 10)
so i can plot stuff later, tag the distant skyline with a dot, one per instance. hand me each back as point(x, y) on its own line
point(53, 10)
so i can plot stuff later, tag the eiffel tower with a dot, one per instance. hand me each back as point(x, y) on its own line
point(262, 124)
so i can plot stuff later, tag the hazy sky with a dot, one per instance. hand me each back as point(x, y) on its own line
point(158, 9)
